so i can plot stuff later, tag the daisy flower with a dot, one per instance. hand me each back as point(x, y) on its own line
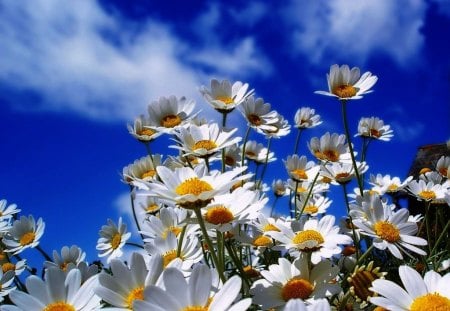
point(285, 281)
point(258, 114)
point(205, 140)
point(299, 305)
point(374, 128)
point(17, 267)
point(126, 284)
point(59, 291)
point(223, 96)
point(346, 83)
point(150, 205)
point(429, 293)
point(24, 233)
point(343, 172)
point(278, 129)
point(279, 188)
point(233, 156)
point(302, 188)
point(143, 169)
point(193, 188)
point(169, 220)
point(317, 204)
point(330, 147)
point(385, 184)
point(190, 252)
point(193, 294)
point(299, 168)
point(306, 117)
point(257, 152)
point(390, 230)
point(141, 130)
point(168, 114)
point(240, 206)
point(426, 191)
point(6, 283)
point(318, 237)
point(443, 166)
point(69, 258)
point(7, 211)
point(112, 239)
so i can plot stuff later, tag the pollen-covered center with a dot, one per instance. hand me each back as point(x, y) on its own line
point(135, 294)
point(204, 144)
point(7, 266)
point(195, 308)
point(262, 241)
point(375, 133)
point(218, 215)
point(27, 238)
point(170, 121)
point(230, 161)
point(343, 175)
point(227, 100)
point(254, 119)
point(427, 195)
point(250, 154)
point(169, 256)
point(327, 155)
point(299, 174)
point(175, 230)
point(115, 241)
point(443, 171)
point(344, 91)
point(270, 227)
point(430, 302)
point(59, 306)
point(148, 174)
point(387, 231)
point(361, 281)
point(297, 288)
point(146, 132)
point(308, 239)
point(311, 209)
point(152, 208)
point(392, 188)
point(193, 186)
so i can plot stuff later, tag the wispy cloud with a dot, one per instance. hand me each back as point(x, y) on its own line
point(77, 56)
point(357, 29)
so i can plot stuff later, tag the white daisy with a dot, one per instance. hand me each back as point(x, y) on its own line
point(257, 152)
point(317, 204)
point(167, 114)
point(59, 291)
point(343, 172)
point(318, 237)
point(429, 293)
point(143, 169)
point(279, 188)
point(258, 114)
point(150, 205)
point(204, 140)
point(6, 283)
point(141, 130)
point(306, 117)
point(344, 83)
point(390, 229)
point(330, 147)
point(426, 191)
point(112, 239)
point(24, 233)
point(299, 168)
point(286, 281)
point(302, 188)
point(194, 294)
point(278, 129)
point(170, 219)
point(443, 166)
point(223, 96)
point(299, 305)
point(374, 128)
point(69, 258)
point(385, 184)
point(233, 156)
point(7, 211)
point(192, 188)
point(17, 267)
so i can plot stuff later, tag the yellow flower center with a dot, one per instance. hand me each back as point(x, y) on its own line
point(262, 241)
point(227, 100)
point(301, 189)
point(148, 174)
point(27, 238)
point(170, 121)
point(218, 215)
point(135, 294)
point(299, 174)
point(392, 188)
point(175, 230)
point(443, 171)
point(7, 266)
point(430, 302)
point(387, 231)
point(63, 266)
point(59, 306)
point(270, 227)
point(361, 282)
point(152, 208)
point(297, 288)
point(427, 194)
point(230, 161)
point(344, 91)
point(326, 180)
point(375, 133)
point(250, 154)
point(193, 186)
point(169, 256)
point(146, 132)
point(342, 175)
point(195, 308)
point(424, 170)
point(327, 155)
point(254, 119)
point(204, 144)
point(311, 209)
point(115, 241)
point(251, 272)
point(308, 236)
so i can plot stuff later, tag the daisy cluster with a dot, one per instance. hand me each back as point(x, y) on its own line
point(210, 232)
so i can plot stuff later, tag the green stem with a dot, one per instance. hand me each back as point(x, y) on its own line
point(133, 209)
point(147, 146)
point(265, 162)
point(237, 263)
point(347, 203)
point(219, 268)
point(309, 194)
point(134, 244)
point(427, 224)
point(43, 253)
point(180, 240)
point(297, 140)
point(247, 133)
point(441, 236)
point(350, 146)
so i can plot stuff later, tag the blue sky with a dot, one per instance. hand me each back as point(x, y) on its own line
point(73, 74)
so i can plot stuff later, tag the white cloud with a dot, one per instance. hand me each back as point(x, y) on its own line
point(407, 132)
point(79, 57)
point(357, 29)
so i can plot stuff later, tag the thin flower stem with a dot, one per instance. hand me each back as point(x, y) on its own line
point(309, 194)
point(297, 140)
point(265, 162)
point(134, 244)
point(441, 236)
point(147, 146)
point(350, 146)
point(207, 164)
point(427, 224)
point(219, 268)
point(347, 203)
point(238, 264)
point(180, 240)
point(247, 133)
point(133, 209)
point(295, 200)
point(43, 253)
point(224, 122)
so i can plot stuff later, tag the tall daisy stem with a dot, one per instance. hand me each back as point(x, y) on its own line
point(180, 240)
point(309, 194)
point(247, 133)
point(219, 268)
point(265, 163)
point(297, 140)
point(347, 203)
point(133, 209)
point(350, 146)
